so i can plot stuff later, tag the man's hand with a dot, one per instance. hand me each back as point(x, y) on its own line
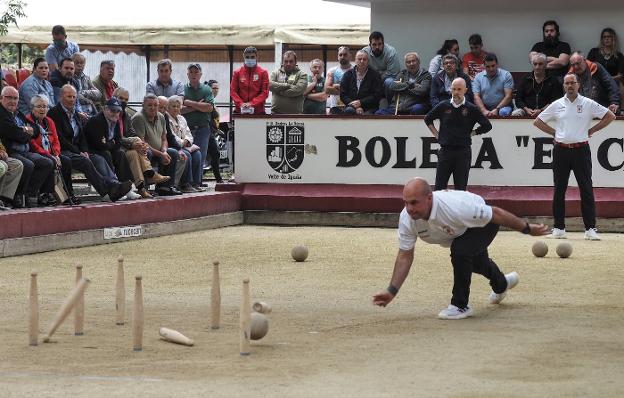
point(538, 229)
point(382, 298)
point(57, 160)
point(359, 111)
point(84, 155)
point(4, 155)
point(166, 159)
point(614, 108)
point(181, 155)
point(28, 130)
point(83, 116)
point(355, 104)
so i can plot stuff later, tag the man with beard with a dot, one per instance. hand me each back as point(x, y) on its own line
point(382, 58)
point(334, 76)
point(557, 52)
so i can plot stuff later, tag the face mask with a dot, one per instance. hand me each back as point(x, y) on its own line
point(123, 105)
point(250, 63)
point(59, 43)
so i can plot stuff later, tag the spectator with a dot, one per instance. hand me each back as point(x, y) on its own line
point(608, 55)
point(249, 88)
point(16, 133)
point(287, 85)
point(214, 115)
point(557, 52)
point(198, 106)
point(65, 74)
point(474, 60)
point(536, 90)
point(361, 87)
point(412, 96)
point(595, 82)
point(74, 146)
point(10, 174)
point(104, 82)
point(441, 83)
point(192, 177)
point(60, 48)
point(150, 126)
point(382, 58)
point(315, 101)
point(450, 46)
point(88, 94)
point(183, 160)
point(334, 76)
point(37, 83)
point(164, 85)
point(123, 96)
point(493, 89)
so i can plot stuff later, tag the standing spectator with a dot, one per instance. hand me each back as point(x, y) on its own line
point(164, 85)
point(60, 48)
point(536, 90)
point(474, 60)
point(557, 52)
point(608, 55)
point(441, 83)
point(334, 76)
point(573, 114)
point(249, 88)
point(457, 120)
point(193, 172)
point(315, 96)
point(88, 94)
point(37, 83)
point(450, 46)
point(412, 97)
point(10, 174)
point(382, 58)
point(214, 115)
point(104, 82)
point(595, 82)
point(287, 85)
point(493, 89)
point(361, 88)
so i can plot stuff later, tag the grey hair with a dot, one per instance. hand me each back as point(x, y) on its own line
point(120, 90)
point(150, 96)
point(38, 98)
point(540, 56)
point(451, 57)
point(175, 98)
point(414, 53)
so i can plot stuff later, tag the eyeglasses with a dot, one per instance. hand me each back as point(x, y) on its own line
point(9, 97)
point(41, 106)
point(579, 63)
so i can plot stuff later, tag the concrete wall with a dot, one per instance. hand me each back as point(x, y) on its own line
point(509, 30)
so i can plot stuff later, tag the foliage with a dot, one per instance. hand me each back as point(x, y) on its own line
point(13, 9)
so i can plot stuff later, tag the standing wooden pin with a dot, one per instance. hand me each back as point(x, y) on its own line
point(215, 297)
point(79, 310)
point(137, 315)
point(120, 289)
point(68, 305)
point(245, 319)
point(33, 307)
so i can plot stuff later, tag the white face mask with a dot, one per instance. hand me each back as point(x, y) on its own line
point(250, 63)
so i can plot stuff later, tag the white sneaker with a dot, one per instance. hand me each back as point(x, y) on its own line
point(512, 280)
point(591, 234)
point(453, 312)
point(557, 233)
point(131, 195)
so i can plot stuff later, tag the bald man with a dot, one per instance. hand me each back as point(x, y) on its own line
point(465, 223)
point(457, 120)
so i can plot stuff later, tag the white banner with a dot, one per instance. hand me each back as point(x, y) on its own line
point(330, 150)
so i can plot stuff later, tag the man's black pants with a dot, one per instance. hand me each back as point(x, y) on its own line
point(456, 161)
point(469, 254)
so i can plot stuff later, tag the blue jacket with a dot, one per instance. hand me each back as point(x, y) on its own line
point(438, 92)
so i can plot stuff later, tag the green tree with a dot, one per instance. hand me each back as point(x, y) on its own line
point(11, 10)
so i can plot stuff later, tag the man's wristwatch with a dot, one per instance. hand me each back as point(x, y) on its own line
point(527, 228)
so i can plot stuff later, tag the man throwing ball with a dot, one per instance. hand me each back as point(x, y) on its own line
point(465, 223)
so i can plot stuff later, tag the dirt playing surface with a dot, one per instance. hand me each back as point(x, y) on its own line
point(557, 334)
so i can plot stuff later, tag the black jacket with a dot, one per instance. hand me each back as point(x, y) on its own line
point(66, 132)
point(535, 95)
point(370, 92)
point(438, 90)
point(96, 133)
point(14, 138)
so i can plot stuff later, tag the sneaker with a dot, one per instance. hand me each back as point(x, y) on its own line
point(119, 190)
point(453, 312)
point(591, 234)
point(512, 280)
point(131, 195)
point(557, 233)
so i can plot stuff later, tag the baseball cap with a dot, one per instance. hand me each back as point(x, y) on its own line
point(198, 66)
point(114, 104)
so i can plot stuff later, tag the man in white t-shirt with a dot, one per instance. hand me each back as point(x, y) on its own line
point(573, 114)
point(464, 222)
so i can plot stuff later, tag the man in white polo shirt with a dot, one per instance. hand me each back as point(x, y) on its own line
point(573, 114)
point(464, 222)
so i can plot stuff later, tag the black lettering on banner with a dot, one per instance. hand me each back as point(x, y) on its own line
point(603, 153)
point(428, 152)
point(540, 153)
point(346, 145)
point(401, 153)
point(386, 152)
point(487, 153)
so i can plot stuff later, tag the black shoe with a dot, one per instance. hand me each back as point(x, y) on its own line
point(164, 191)
point(176, 191)
point(149, 173)
point(19, 202)
point(72, 201)
point(119, 190)
point(3, 206)
point(31, 202)
point(46, 199)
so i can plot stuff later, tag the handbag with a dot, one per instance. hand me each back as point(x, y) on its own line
point(60, 194)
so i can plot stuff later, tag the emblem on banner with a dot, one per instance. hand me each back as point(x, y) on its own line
point(285, 146)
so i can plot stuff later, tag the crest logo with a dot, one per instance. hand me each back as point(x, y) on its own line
point(285, 146)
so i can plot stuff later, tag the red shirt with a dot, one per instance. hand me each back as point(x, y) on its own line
point(474, 63)
point(250, 85)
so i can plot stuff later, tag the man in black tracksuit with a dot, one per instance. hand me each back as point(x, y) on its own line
point(457, 120)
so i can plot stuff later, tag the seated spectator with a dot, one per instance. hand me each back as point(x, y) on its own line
point(88, 94)
point(441, 83)
point(164, 85)
point(104, 82)
point(314, 94)
point(493, 89)
point(193, 172)
point(74, 146)
point(536, 89)
point(474, 60)
point(65, 75)
point(249, 88)
point(123, 96)
point(450, 46)
point(16, 133)
point(37, 83)
point(608, 55)
point(595, 82)
point(287, 85)
point(60, 48)
point(557, 52)
point(361, 87)
point(412, 97)
point(10, 174)
point(334, 76)
point(382, 58)
point(150, 126)
point(181, 165)
point(47, 144)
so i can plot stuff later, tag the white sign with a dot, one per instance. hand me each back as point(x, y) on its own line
point(339, 150)
point(123, 232)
